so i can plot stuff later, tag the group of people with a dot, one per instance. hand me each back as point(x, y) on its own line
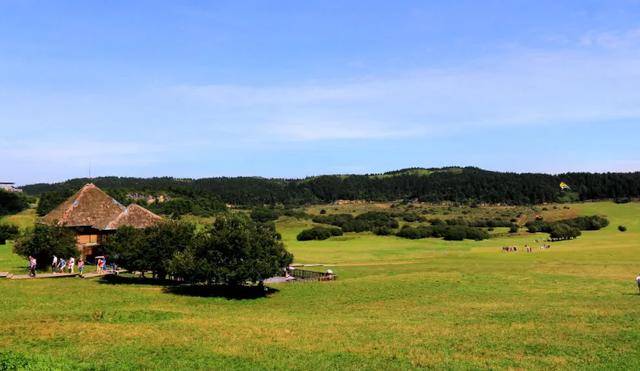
point(61, 265)
point(66, 266)
point(527, 248)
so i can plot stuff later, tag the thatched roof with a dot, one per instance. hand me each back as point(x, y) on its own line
point(91, 207)
point(136, 216)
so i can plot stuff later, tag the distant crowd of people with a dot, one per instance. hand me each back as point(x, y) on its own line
point(527, 248)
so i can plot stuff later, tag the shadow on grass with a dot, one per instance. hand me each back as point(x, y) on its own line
point(204, 291)
point(132, 280)
point(227, 292)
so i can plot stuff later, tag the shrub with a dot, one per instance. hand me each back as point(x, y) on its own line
point(323, 211)
point(318, 233)
point(383, 231)
point(415, 233)
point(562, 231)
point(263, 215)
point(43, 242)
point(361, 223)
point(411, 217)
point(448, 232)
point(513, 228)
point(622, 228)
point(8, 232)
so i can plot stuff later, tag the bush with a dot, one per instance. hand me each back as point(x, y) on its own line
point(8, 232)
point(415, 233)
point(383, 231)
point(412, 217)
point(562, 231)
point(448, 232)
point(368, 221)
point(513, 228)
point(622, 228)
point(43, 242)
point(318, 233)
point(582, 223)
point(263, 215)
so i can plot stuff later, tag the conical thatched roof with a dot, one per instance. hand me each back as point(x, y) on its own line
point(91, 207)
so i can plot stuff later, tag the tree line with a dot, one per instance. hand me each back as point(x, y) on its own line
point(465, 185)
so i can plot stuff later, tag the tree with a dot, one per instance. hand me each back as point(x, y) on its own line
point(8, 232)
point(43, 242)
point(149, 249)
point(162, 241)
point(233, 251)
point(127, 248)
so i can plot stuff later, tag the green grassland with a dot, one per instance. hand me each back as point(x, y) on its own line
point(397, 304)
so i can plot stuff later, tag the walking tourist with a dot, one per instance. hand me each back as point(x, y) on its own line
point(54, 264)
point(72, 262)
point(62, 264)
point(32, 266)
point(638, 282)
point(81, 267)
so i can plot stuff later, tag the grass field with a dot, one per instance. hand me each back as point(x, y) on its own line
point(397, 304)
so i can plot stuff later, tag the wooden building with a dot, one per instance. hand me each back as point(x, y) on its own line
point(93, 216)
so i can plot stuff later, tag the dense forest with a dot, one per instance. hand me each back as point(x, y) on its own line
point(466, 185)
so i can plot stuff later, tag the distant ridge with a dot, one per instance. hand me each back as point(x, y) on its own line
point(453, 183)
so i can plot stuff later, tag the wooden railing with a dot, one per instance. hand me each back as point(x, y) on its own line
point(302, 274)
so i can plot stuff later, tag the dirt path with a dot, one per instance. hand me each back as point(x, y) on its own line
point(58, 275)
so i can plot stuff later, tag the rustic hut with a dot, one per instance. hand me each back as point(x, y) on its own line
point(93, 215)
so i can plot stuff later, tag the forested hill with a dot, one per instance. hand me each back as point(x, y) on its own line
point(442, 184)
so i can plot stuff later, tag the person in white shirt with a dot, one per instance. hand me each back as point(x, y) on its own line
point(638, 282)
point(72, 262)
point(54, 264)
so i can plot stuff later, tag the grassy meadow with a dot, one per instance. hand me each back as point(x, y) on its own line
point(397, 304)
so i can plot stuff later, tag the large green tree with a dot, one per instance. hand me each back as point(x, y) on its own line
point(43, 242)
point(149, 249)
point(233, 251)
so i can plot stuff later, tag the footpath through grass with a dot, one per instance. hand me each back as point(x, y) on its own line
point(398, 304)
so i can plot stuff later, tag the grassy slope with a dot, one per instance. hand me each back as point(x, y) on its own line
point(397, 304)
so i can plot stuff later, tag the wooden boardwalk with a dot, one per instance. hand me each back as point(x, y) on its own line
point(58, 275)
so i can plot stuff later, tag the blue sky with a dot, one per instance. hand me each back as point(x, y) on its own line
point(297, 88)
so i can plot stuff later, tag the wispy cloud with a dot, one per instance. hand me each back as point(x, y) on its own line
point(525, 87)
point(612, 39)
